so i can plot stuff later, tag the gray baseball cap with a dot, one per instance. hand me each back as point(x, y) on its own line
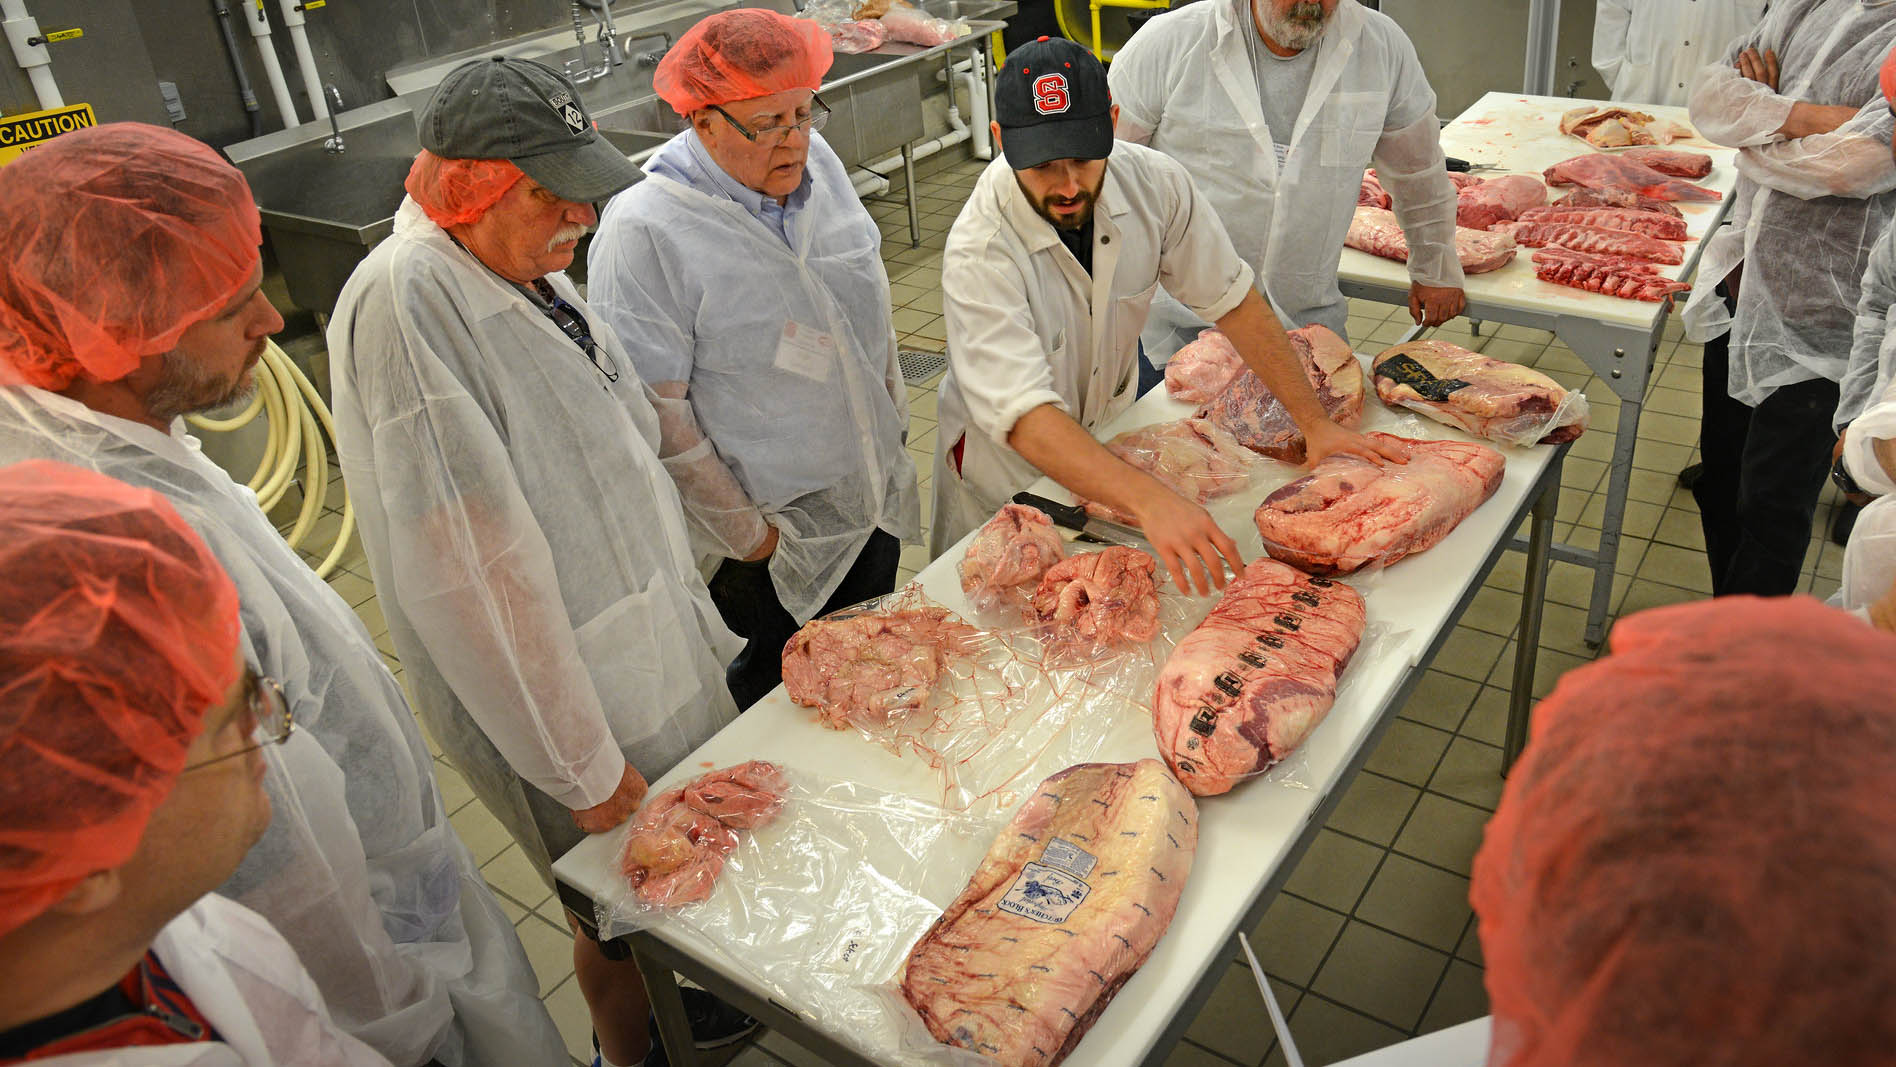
point(526, 112)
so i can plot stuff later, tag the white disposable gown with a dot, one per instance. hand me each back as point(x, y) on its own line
point(1869, 561)
point(529, 548)
point(1806, 212)
point(247, 982)
point(360, 868)
point(1649, 50)
point(1184, 85)
point(790, 406)
point(1872, 366)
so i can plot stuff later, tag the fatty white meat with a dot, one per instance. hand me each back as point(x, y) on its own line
point(1375, 230)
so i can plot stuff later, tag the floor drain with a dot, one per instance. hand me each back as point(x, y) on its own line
point(919, 366)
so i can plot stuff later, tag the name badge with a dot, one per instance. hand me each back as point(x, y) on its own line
point(805, 352)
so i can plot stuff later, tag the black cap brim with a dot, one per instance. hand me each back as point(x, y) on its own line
point(587, 174)
point(1044, 142)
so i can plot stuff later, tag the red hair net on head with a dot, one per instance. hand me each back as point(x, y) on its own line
point(740, 54)
point(456, 191)
point(1887, 77)
point(117, 238)
point(118, 631)
point(1694, 860)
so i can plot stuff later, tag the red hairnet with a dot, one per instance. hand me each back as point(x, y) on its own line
point(740, 54)
point(118, 631)
point(1694, 861)
point(117, 238)
point(1887, 77)
point(455, 191)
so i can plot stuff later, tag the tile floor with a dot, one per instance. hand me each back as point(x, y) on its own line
point(1372, 939)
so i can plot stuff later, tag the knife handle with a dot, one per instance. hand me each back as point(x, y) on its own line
point(1071, 516)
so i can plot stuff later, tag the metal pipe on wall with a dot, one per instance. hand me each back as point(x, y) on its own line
point(249, 96)
point(29, 48)
point(272, 67)
point(305, 59)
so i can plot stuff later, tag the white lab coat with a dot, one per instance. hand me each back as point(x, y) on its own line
point(790, 356)
point(1028, 326)
point(529, 549)
point(1806, 212)
point(247, 982)
point(1871, 370)
point(360, 868)
point(1649, 50)
point(1869, 560)
point(1184, 85)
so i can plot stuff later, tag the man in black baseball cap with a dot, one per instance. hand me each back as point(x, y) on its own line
point(528, 114)
point(1047, 278)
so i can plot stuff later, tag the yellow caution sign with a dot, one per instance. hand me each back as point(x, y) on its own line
point(22, 133)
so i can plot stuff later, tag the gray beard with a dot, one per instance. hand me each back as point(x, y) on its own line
point(184, 389)
point(1296, 31)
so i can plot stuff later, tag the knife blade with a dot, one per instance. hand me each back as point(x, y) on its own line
point(1074, 517)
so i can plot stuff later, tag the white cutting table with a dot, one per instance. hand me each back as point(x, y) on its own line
point(1615, 337)
point(1249, 839)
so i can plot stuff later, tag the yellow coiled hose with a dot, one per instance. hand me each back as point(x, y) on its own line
point(298, 418)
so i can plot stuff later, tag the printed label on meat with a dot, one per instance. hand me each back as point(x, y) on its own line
point(1065, 854)
point(1414, 375)
point(1044, 894)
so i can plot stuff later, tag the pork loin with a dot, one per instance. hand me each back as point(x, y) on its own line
point(1375, 230)
point(1348, 512)
point(1250, 412)
point(1244, 689)
point(1070, 900)
point(1487, 397)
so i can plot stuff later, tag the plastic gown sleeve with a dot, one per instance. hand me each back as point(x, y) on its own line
point(1853, 160)
point(1872, 363)
point(1411, 166)
point(1007, 367)
point(1731, 109)
point(1859, 444)
point(722, 512)
point(474, 574)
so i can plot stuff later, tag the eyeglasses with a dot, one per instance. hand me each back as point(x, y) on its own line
point(271, 720)
point(776, 135)
point(579, 331)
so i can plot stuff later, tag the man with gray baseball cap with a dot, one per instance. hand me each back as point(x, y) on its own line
point(528, 547)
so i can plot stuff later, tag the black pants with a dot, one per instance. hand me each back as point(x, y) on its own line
point(748, 601)
point(1764, 469)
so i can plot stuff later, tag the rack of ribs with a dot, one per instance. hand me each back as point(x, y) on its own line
point(1616, 198)
point(1631, 279)
point(1629, 220)
point(1595, 240)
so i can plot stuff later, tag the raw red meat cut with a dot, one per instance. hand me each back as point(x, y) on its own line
point(1010, 551)
point(1372, 193)
point(1374, 230)
point(1194, 457)
point(856, 36)
point(1600, 170)
point(1679, 164)
point(1595, 240)
point(1631, 220)
point(1250, 412)
point(1616, 198)
point(1487, 397)
point(1483, 204)
point(1068, 903)
point(1632, 279)
point(678, 841)
point(1462, 180)
point(1102, 599)
point(1243, 690)
point(1348, 512)
point(1202, 369)
point(871, 667)
point(914, 26)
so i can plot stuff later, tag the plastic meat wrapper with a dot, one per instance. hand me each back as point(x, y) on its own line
point(1489, 398)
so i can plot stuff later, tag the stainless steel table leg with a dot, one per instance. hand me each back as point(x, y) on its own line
point(1533, 599)
point(908, 180)
point(1619, 480)
point(668, 1007)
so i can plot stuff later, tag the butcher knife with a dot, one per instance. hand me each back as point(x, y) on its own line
point(1095, 530)
point(1466, 167)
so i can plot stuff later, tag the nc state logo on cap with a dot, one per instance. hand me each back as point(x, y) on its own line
point(1050, 94)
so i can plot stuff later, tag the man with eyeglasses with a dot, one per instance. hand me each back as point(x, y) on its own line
point(745, 279)
point(131, 786)
point(528, 546)
point(131, 297)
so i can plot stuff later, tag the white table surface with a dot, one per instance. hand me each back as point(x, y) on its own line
point(1245, 835)
point(1522, 135)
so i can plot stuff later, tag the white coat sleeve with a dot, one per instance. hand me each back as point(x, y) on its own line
point(1870, 351)
point(732, 524)
point(1411, 166)
point(1852, 160)
point(1197, 262)
point(1859, 444)
point(1611, 21)
point(471, 566)
point(1139, 81)
point(1000, 364)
